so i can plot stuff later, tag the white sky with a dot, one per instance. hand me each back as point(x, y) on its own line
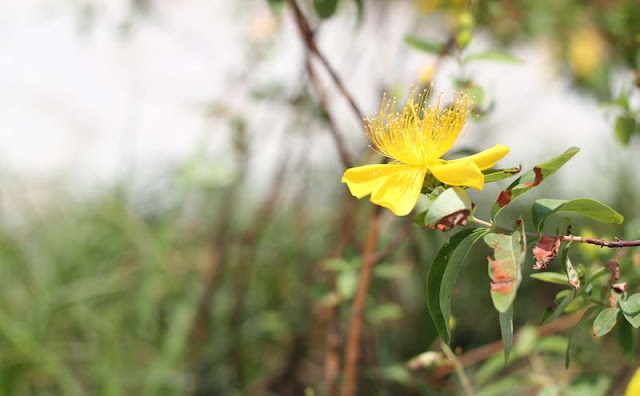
point(89, 106)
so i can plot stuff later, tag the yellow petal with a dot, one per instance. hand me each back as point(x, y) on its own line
point(461, 172)
point(363, 180)
point(393, 186)
point(487, 158)
point(633, 388)
point(401, 190)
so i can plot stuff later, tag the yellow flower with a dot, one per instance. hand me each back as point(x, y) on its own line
point(633, 388)
point(416, 138)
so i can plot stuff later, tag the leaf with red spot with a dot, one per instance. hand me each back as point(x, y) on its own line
point(493, 175)
point(451, 208)
point(505, 267)
point(531, 179)
point(504, 198)
point(537, 177)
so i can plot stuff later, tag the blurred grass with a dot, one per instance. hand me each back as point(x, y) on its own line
point(95, 297)
point(99, 294)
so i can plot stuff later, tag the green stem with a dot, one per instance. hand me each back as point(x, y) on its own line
point(464, 380)
point(481, 222)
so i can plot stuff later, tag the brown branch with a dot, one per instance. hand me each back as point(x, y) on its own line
point(345, 157)
point(307, 35)
point(352, 353)
point(333, 337)
point(617, 243)
point(621, 380)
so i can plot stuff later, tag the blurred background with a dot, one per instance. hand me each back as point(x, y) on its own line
point(172, 217)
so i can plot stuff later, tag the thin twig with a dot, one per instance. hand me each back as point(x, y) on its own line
point(482, 353)
point(391, 246)
point(333, 337)
point(481, 222)
point(352, 354)
point(345, 157)
point(617, 243)
point(308, 37)
point(621, 380)
point(464, 380)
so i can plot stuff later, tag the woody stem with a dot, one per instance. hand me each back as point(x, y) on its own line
point(616, 243)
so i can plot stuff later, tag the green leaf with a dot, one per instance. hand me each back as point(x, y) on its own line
point(493, 175)
point(463, 37)
point(425, 45)
point(492, 55)
point(384, 312)
point(325, 8)
point(553, 344)
point(546, 314)
point(625, 128)
point(551, 277)
point(549, 390)
point(346, 284)
point(391, 271)
point(476, 93)
point(562, 294)
point(426, 204)
point(605, 321)
point(442, 276)
point(276, 5)
point(572, 337)
point(631, 309)
point(589, 384)
point(626, 339)
point(559, 309)
point(339, 265)
point(449, 209)
point(578, 303)
point(527, 341)
point(506, 330)
point(572, 275)
point(598, 274)
point(504, 386)
point(396, 373)
point(593, 209)
point(418, 219)
point(530, 180)
point(505, 267)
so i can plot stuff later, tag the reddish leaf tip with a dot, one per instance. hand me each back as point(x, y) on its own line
point(545, 251)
